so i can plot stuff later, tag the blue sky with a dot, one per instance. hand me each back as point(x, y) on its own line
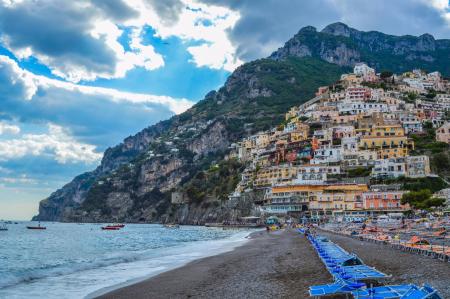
point(78, 78)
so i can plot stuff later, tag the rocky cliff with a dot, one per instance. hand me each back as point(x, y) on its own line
point(337, 43)
point(186, 153)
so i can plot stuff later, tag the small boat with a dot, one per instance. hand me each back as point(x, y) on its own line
point(3, 227)
point(120, 225)
point(171, 225)
point(36, 227)
point(110, 227)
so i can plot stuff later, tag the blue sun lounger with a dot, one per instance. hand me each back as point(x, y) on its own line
point(425, 292)
point(407, 291)
point(339, 287)
point(358, 273)
point(350, 273)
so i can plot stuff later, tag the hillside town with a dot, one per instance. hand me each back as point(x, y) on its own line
point(348, 153)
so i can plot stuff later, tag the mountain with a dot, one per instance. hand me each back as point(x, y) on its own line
point(339, 44)
point(187, 153)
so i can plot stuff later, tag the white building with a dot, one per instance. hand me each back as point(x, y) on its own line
point(389, 168)
point(362, 107)
point(363, 70)
point(349, 144)
point(327, 154)
point(314, 174)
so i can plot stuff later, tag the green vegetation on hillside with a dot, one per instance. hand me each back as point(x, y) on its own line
point(290, 82)
point(217, 182)
point(422, 199)
point(439, 152)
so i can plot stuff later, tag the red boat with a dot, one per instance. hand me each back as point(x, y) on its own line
point(118, 225)
point(109, 227)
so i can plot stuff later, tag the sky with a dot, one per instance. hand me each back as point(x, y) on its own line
point(78, 78)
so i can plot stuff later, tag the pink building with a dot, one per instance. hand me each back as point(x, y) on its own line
point(358, 93)
point(383, 200)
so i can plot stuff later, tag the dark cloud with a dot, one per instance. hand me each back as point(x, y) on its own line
point(266, 25)
point(12, 86)
point(74, 110)
point(116, 9)
point(168, 10)
point(59, 32)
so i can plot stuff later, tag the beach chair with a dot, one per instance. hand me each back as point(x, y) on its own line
point(361, 273)
point(426, 292)
point(408, 291)
point(383, 292)
point(339, 287)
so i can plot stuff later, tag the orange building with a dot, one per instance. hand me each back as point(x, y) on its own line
point(384, 201)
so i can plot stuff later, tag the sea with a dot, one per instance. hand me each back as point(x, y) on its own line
point(69, 260)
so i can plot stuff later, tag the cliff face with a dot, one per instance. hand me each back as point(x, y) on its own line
point(337, 43)
point(186, 153)
point(135, 179)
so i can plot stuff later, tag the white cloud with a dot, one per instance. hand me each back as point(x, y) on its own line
point(22, 179)
point(21, 82)
point(443, 6)
point(29, 83)
point(79, 40)
point(6, 128)
point(208, 24)
point(56, 143)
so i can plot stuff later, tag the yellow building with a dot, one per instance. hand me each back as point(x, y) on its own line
point(260, 140)
point(350, 79)
point(396, 152)
point(299, 131)
point(382, 130)
point(317, 199)
point(270, 176)
point(375, 143)
point(388, 140)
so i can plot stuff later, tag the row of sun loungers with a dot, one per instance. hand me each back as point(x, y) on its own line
point(419, 240)
point(352, 276)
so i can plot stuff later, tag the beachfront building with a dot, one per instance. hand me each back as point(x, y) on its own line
point(317, 200)
point(383, 201)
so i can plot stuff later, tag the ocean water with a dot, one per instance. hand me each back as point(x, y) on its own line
point(81, 260)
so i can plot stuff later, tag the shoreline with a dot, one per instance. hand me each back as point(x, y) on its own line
point(236, 243)
point(267, 266)
point(280, 264)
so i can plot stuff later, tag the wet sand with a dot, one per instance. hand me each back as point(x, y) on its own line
point(278, 264)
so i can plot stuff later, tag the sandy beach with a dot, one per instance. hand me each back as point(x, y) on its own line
point(280, 264)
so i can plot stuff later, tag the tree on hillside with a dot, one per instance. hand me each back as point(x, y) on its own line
point(422, 199)
point(386, 74)
point(441, 162)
